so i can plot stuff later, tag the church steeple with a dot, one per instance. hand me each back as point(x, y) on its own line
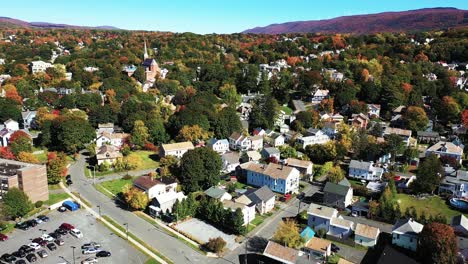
point(145, 55)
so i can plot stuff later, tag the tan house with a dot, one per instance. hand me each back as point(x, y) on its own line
point(280, 253)
point(107, 153)
point(318, 247)
point(303, 166)
point(175, 149)
point(366, 235)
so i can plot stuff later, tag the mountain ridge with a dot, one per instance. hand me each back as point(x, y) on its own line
point(391, 21)
point(8, 22)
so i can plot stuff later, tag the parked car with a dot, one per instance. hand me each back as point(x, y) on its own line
point(66, 226)
point(55, 235)
point(19, 254)
point(354, 214)
point(39, 241)
point(22, 226)
point(31, 258)
point(76, 233)
point(103, 254)
point(90, 250)
point(61, 231)
point(334, 248)
point(59, 242)
point(91, 260)
point(44, 218)
point(26, 249)
point(34, 246)
point(68, 177)
point(47, 238)
point(69, 182)
point(31, 223)
point(3, 237)
point(51, 246)
point(62, 209)
point(42, 253)
point(91, 245)
point(8, 257)
point(38, 221)
point(20, 261)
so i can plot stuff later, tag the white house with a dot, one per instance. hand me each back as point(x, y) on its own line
point(40, 66)
point(364, 170)
point(403, 133)
point(278, 178)
point(244, 203)
point(319, 216)
point(6, 130)
point(340, 227)
point(175, 149)
point(218, 193)
point(366, 235)
point(319, 95)
point(107, 127)
point(218, 145)
point(115, 139)
point(315, 137)
point(275, 139)
point(446, 150)
point(456, 185)
point(405, 233)
point(155, 186)
point(317, 247)
point(305, 167)
point(107, 154)
point(268, 153)
point(263, 198)
point(374, 110)
point(230, 161)
point(256, 142)
point(28, 118)
point(237, 141)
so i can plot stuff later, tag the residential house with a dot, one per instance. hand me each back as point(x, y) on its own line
point(319, 95)
point(218, 193)
point(318, 247)
point(340, 227)
point(244, 203)
point(259, 132)
point(256, 142)
point(314, 136)
point(115, 139)
point(319, 216)
point(446, 150)
point(405, 233)
point(337, 195)
point(107, 154)
point(366, 235)
point(237, 141)
point(374, 110)
point(268, 153)
point(275, 139)
point(106, 127)
point(459, 224)
point(376, 187)
point(175, 149)
point(90, 69)
point(284, 128)
point(403, 133)
point(280, 253)
point(218, 145)
point(263, 198)
point(299, 106)
point(230, 161)
point(277, 177)
point(331, 128)
point(28, 118)
point(359, 121)
point(6, 130)
point(253, 155)
point(456, 185)
point(428, 137)
point(291, 136)
point(40, 66)
point(304, 167)
point(364, 170)
point(153, 186)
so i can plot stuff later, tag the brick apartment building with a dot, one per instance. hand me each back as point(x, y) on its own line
point(30, 178)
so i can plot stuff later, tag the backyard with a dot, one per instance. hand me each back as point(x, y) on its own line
point(430, 205)
point(115, 186)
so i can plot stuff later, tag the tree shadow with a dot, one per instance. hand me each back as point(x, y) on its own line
point(256, 258)
point(257, 244)
point(154, 157)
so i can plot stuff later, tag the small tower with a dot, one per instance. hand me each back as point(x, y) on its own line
point(145, 55)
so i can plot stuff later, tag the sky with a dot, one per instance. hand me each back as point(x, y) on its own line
point(202, 16)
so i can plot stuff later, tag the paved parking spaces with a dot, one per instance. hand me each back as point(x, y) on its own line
point(203, 232)
point(92, 230)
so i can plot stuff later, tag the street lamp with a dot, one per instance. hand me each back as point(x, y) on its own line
point(126, 224)
point(73, 248)
point(99, 207)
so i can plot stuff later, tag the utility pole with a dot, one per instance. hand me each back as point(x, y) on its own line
point(99, 207)
point(94, 175)
point(73, 248)
point(126, 224)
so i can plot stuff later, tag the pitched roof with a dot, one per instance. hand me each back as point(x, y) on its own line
point(178, 146)
point(273, 170)
point(308, 233)
point(447, 147)
point(280, 253)
point(107, 152)
point(407, 226)
point(215, 192)
point(341, 222)
point(362, 165)
point(236, 136)
point(231, 157)
point(254, 155)
point(272, 150)
point(344, 182)
point(398, 131)
point(318, 244)
point(262, 194)
point(331, 187)
point(243, 199)
point(298, 163)
point(321, 211)
point(146, 182)
point(427, 134)
point(367, 231)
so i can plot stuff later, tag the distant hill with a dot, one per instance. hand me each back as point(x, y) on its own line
point(413, 20)
point(7, 22)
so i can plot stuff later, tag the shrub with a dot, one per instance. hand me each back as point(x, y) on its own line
point(38, 204)
point(216, 245)
point(127, 177)
point(150, 147)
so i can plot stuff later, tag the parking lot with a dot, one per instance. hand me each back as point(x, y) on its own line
point(203, 232)
point(121, 251)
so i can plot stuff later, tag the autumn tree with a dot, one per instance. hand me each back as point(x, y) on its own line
point(288, 234)
point(20, 141)
point(12, 94)
point(56, 167)
point(216, 245)
point(464, 117)
point(335, 174)
point(415, 118)
point(449, 109)
point(27, 157)
point(140, 134)
point(135, 198)
point(438, 244)
point(193, 134)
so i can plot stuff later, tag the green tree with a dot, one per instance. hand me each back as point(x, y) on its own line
point(16, 203)
point(287, 152)
point(415, 118)
point(394, 144)
point(335, 174)
point(140, 134)
point(69, 134)
point(20, 142)
point(438, 244)
point(238, 222)
point(199, 169)
point(288, 234)
point(428, 176)
point(56, 167)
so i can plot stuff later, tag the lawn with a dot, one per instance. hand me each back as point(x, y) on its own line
point(57, 197)
point(149, 158)
point(286, 110)
point(116, 186)
point(42, 157)
point(432, 205)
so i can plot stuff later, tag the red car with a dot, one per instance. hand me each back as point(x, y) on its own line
point(66, 226)
point(40, 241)
point(3, 237)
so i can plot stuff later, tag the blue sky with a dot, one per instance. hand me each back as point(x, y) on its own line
point(202, 16)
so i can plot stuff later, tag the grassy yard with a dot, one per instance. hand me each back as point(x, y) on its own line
point(42, 157)
point(116, 186)
point(431, 205)
point(57, 197)
point(286, 110)
point(149, 158)
point(7, 228)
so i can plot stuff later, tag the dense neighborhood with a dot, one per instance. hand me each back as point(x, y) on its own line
point(297, 148)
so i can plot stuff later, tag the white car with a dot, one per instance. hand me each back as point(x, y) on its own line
point(47, 238)
point(76, 233)
point(38, 221)
point(34, 246)
point(90, 250)
point(91, 260)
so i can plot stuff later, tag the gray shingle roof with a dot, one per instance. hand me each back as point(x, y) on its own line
point(215, 192)
point(261, 195)
point(334, 188)
point(407, 226)
point(362, 165)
